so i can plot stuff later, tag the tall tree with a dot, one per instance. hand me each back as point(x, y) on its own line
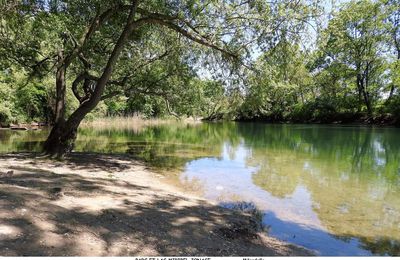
point(99, 46)
point(354, 38)
point(280, 82)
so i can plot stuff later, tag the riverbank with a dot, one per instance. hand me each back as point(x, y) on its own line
point(97, 205)
point(333, 119)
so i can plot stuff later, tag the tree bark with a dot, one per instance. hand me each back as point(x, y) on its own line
point(367, 102)
point(363, 94)
point(62, 137)
point(367, 97)
point(61, 88)
point(392, 87)
point(61, 140)
point(359, 88)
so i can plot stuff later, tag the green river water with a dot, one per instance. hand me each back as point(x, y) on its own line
point(333, 189)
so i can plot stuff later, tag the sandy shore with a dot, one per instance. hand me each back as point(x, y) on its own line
point(98, 205)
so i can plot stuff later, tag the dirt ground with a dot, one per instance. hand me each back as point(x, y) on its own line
point(99, 205)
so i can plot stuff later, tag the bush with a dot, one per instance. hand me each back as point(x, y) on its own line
point(5, 116)
point(33, 102)
point(393, 107)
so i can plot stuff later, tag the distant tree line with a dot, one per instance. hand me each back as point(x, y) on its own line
point(353, 72)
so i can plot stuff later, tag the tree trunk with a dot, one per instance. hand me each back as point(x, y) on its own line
point(367, 98)
point(60, 140)
point(61, 89)
point(59, 111)
point(63, 135)
point(367, 102)
point(359, 88)
point(363, 94)
point(392, 87)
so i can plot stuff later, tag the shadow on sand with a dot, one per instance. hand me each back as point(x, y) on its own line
point(46, 213)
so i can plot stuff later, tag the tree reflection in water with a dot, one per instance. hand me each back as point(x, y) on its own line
point(351, 175)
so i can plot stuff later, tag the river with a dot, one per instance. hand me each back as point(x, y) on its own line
point(332, 189)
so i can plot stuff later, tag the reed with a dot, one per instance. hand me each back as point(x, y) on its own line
point(131, 122)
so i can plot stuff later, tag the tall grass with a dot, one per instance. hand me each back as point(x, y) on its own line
point(131, 122)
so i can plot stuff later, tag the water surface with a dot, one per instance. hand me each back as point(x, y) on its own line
point(333, 189)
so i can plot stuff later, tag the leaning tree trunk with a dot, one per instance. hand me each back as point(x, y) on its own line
point(63, 135)
point(60, 140)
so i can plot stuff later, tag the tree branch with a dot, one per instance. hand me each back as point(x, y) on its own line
point(110, 95)
point(169, 108)
point(75, 84)
point(159, 19)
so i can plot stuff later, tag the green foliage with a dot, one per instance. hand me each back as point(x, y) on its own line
point(354, 40)
point(5, 114)
point(393, 106)
point(281, 81)
point(156, 61)
point(6, 104)
point(116, 106)
point(353, 69)
point(22, 101)
point(33, 101)
point(351, 72)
